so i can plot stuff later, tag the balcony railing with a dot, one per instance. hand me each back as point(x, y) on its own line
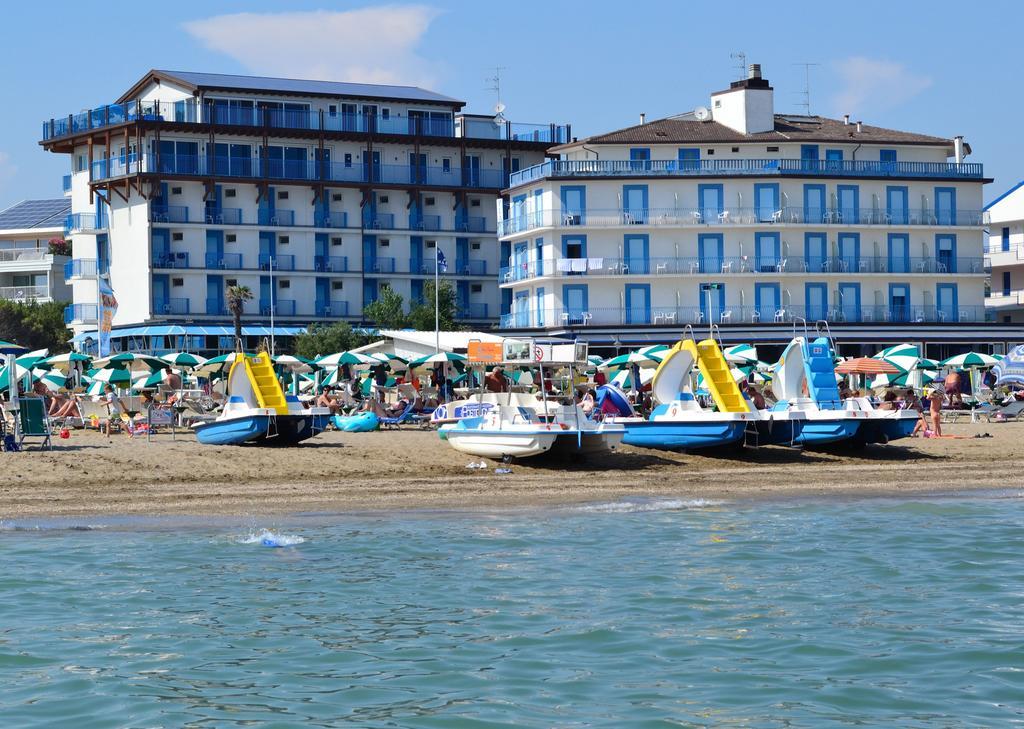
point(332, 308)
point(169, 214)
point(24, 293)
point(231, 261)
point(216, 307)
point(765, 314)
point(80, 222)
point(276, 217)
point(471, 311)
point(223, 216)
point(333, 219)
point(84, 268)
point(330, 264)
point(470, 267)
point(381, 221)
point(425, 222)
point(300, 170)
point(280, 262)
point(758, 167)
point(281, 307)
point(23, 254)
point(66, 183)
point(472, 224)
point(171, 306)
point(171, 259)
point(422, 266)
point(191, 112)
point(725, 217)
point(81, 313)
point(379, 265)
point(1005, 299)
point(738, 265)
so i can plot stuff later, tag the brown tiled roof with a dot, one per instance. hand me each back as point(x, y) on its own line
point(788, 128)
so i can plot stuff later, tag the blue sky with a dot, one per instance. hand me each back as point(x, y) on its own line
point(941, 68)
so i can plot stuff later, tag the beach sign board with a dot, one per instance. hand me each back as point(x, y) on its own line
point(484, 351)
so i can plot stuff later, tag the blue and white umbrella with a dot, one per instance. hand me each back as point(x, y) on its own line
point(1010, 370)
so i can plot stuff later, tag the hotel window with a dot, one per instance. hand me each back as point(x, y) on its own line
point(81, 163)
point(385, 113)
point(332, 110)
point(335, 241)
point(282, 195)
point(177, 282)
point(230, 237)
point(336, 197)
point(348, 160)
point(230, 193)
point(175, 190)
point(474, 203)
point(773, 149)
point(336, 285)
point(428, 201)
point(446, 164)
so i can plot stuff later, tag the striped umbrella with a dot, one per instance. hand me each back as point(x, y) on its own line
point(899, 350)
point(927, 364)
point(119, 376)
point(20, 372)
point(53, 379)
point(391, 359)
point(970, 360)
point(294, 363)
point(867, 366)
point(149, 381)
point(11, 348)
point(66, 361)
point(338, 359)
point(183, 360)
point(741, 354)
point(623, 379)
point(130, 360)
point(437, 358)
point(1010, 370)
point(630, 358)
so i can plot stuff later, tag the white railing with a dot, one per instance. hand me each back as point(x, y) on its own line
point(25, 254)
point(24, 293)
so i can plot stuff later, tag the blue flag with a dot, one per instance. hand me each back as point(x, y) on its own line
point(442, 264)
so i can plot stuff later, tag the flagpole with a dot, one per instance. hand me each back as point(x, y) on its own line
point(437, 305)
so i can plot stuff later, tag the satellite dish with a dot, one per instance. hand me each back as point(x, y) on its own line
point(701, 113)
point(498, 108)
point(499, 119)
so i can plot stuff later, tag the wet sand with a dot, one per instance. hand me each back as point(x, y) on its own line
point(414, 469)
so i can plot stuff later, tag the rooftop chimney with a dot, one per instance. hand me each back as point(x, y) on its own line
point(860, 126)
point(846, 119)
point(748, 105)
point(958, 149)
point(754, 71)
point(643, 118)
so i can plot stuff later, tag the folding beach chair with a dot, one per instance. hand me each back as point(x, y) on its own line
point(1007, 412)
point(34, 422)
point(407, 416)
point(157, 419)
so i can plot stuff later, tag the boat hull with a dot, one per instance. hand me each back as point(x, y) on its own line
point(498, 444)
point(233, 431)
point(679, 435)
point(883, 430)
point(778, 431)
point(589, 443)
point(823, 431)
point(292, 429)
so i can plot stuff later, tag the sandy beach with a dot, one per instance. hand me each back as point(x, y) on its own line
point(414, 469)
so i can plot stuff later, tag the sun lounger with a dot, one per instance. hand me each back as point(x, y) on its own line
point(1003, 413)
point(34, 422)
point(407, 416)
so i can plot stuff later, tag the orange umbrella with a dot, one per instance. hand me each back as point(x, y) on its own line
point(867, 366)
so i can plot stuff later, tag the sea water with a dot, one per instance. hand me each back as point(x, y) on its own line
point(874, 612)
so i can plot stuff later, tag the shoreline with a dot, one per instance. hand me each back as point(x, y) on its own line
point(413, 470)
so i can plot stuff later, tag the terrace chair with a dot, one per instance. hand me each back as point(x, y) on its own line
point(34, 422)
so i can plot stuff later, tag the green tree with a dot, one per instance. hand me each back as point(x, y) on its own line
point(321, 339)
point(236, 298)
point(421, 316)
point(35, 326)
point(386, 312)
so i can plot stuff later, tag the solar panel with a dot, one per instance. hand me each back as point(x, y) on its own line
point(35, 214)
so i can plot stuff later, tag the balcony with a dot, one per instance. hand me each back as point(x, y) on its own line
point(995, 256)
point(426, 222)
point(276, 217)
point(330, 264)
point(282, 307)
point(470, 267)
point(79, 268)
point(224, 261)
point(741, 167)
point(23, 255)
point(472, 224)
point(81, 314)
point(24, 293)
point(733, 217)
point(379, 265)
point(190, 112)
point(421, 266)
point(216, 307)
point(66, 184)
point(471, 311)
point(331, 308)
point(168, 213)
point(83, 223)
point(381, 221)
point(223, 216)
point(330, 219)
point(739, 265)
point(172, 306)
point(1005, 300)
point(171, 259)
point(280, 262)
point(749, 315)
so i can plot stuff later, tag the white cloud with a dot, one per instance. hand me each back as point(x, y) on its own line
point(868, 84)
point(369, 45)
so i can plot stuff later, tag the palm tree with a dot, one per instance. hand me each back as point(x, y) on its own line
point(237, 296)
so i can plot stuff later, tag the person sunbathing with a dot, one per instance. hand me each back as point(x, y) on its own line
point(69, 409)
point(327, 400)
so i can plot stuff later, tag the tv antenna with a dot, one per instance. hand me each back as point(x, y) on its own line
point(495, 86)
point(742, 65)
point(806, 93)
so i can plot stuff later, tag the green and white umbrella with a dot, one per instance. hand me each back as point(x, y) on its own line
point(149, 381)
point(20, 373)
point(293, 363)
point(356, 359)
point(65, 361)
point(119, 376)
point(183, 360)
point(970, 360)
point(437, 358)
point(741, 354)
point(11, 348)
point(631, 358)
point(927, 364)
point(624, 378)
point(53, 379)
point(130, 360)
point(391, 359)
point(902, 356)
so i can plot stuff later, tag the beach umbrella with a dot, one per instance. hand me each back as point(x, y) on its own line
point(20, 372)
point(741, 354)
point(11, 348)
point(623, 379)
point(630, 358)
point(1010, 370)
point(970, 360)
point(95, 388)
point(329, 361)
point(437, 358)
point(293, 363)
point(927, 364)
point(130, 360)
point(334, 377)
point(216, 365)
point(53, 379)
point(899, 350)
point(119, 376)
point(867, 366)
point(183, 360)
point(594, 359)
point(66, 361)
point(391, 359)
point(149, 381)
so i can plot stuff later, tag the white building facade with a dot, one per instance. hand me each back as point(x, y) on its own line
point(315, 195)
point(29, 269)
point(750, 220)
point(1005, 257)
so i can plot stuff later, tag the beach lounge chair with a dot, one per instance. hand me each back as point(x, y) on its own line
point(1006, 412)
point(407, 416)
point(34, 422)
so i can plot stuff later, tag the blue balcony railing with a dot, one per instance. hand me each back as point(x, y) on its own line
point(77, 222)
point(332, 308)
point(758, 167)
point(381, 221)
point(232, 261)
point(330, 264)
point(280, 262)
point(216, 307)
point(472, 224)
point(330, 219)
point(421, 266)
point(276, 217)
point(168, 213)
point(222, 216)
point(425, 222)
point(171, 306)
point(171, 259)
point(472, 311)
point(84, 268)
point(470, 267)
point(82, 313)
point(379, 265)
point(438, 124)
point(281, 307)
point(66, 183)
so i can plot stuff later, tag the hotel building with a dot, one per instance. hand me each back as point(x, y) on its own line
point(753, 221)
point(313, 194)
point(1005, 257)
point(28, 270)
